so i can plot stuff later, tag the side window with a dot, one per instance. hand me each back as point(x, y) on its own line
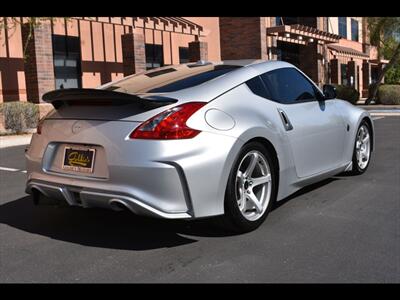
point(287, 85)
point(257, 87)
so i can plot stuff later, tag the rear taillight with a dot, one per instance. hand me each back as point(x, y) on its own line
point(170, 124)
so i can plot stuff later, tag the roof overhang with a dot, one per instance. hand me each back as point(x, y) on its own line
point(194, 28)
point(348, 52)
point(378, 61)
point(300, 34)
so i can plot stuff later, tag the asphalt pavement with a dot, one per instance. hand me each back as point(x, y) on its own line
point(344, 229)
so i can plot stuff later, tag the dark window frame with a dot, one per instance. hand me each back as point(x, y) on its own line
point(68, 42)
point(181, 51)
point(151, 59)
point(355, 27)
point(342, 27)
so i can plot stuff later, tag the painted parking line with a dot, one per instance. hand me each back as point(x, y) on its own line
point(12, 170)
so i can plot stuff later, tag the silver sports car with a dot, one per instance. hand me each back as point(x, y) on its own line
point(196, 140)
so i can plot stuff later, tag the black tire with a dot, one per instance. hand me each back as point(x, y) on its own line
point(233, 220)
point(356, 169)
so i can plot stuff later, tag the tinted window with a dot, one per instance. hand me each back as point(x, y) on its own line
point(183, 55)
point(67, 61)
point(257, 87)
point(154, 56)
point(192, 80)
point(170, 79)
point(342, 27)
point(354, 30)
point(287, 85)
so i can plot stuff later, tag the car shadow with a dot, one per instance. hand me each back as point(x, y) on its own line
point(115, 230)
point(304, 190)
point(104, 228)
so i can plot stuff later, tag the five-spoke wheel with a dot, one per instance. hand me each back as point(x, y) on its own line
point(251, 188)
point(253, 185)
point(362, 149)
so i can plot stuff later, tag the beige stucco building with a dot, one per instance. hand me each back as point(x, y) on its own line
point(89, 51)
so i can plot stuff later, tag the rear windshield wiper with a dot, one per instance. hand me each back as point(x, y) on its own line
point(87, 96)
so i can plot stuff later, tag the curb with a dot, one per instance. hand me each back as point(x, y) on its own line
point(14, 140)
point(384, 113)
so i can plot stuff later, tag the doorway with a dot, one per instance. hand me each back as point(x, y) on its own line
point(288, 52)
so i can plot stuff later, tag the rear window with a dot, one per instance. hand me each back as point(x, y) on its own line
point(171, 79)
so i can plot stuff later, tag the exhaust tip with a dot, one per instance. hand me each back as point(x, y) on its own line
point(118, 205)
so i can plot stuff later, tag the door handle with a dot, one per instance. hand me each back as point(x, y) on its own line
point(285, 120)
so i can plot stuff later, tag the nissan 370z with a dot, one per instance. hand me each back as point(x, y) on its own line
point(196, 140)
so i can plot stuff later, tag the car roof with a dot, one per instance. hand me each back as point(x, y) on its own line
point(217, 86)
point(246, 62)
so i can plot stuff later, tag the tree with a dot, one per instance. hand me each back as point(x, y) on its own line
point(384, 33)
point(10, 24)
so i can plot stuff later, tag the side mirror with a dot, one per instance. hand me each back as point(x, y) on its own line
point(329, 91)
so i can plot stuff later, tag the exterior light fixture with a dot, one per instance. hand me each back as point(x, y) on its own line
point(300, 37)
point(287, 35)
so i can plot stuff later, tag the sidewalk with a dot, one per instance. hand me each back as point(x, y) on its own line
point(15, 140)
point(382, 110)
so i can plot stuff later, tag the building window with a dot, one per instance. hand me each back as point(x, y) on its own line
point(343, 74)
point(287, 21)
point(183, 55)
point(154, 56)
point(342, 27)
point(67, 61)
point(354, 30)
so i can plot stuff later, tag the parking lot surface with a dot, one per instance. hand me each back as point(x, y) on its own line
point(344, 229)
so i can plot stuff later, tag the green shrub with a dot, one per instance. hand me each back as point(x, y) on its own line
point(20, 116)
point(347, 93)
point(389, 94)
point(392, 75)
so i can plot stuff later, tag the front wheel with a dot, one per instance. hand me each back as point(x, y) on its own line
point(251, 188)
point(362, 149)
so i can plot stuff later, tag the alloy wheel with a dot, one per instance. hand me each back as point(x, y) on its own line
point(363, 147)
point(253, 185)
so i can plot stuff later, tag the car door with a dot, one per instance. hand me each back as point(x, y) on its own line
point(315, 129)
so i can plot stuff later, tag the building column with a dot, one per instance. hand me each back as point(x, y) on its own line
point(272, 47)
point(243, 38)
point(352, 73)
point(366, 77)
point(335, 71)
point(38, 62)
point(133, 53)
point(198, 50)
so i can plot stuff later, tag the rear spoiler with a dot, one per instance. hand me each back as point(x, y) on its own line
point(62, 97)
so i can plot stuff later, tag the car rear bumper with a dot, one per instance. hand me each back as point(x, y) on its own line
point(168, 179)
point(91, 197)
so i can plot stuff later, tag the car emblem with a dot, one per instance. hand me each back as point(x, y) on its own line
point(76, 127)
